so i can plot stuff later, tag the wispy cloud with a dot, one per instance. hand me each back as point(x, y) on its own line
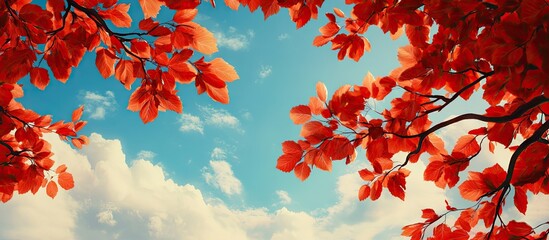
point(234, 40)
point(283, 36)
point(265, 71)
point(209, 116)
point(191, 123)
point(220, 175)
point(97, 105)
point(218, 154)
point(219, 118)
point(283, 197)
point(147, 155)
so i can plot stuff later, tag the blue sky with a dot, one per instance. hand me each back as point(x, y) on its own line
point(211, 171)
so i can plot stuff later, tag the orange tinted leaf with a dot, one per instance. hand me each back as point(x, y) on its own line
point(118, 15)
point(219, 94)
point(149, 110)
point(320, 160)
point(105, 62)
point(203, 40)
point(223, 70)
point(480, 183)
point(302, 171)
point(150, 7)
point(321, 91)
point(363, 192)
point(61, 168)
point(39, 77)
point(467, 145)
point(51, 189)
point(124, 72)
point(232, 4)
point(170, 101)
point(300, 114)
point(316, 105)
point(339, 13)
point(185, 15)
point(77, 113)
point(65, 180)
point(414, 230)
point(315, 132)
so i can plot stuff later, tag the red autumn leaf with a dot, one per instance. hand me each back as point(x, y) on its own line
point(300, 114)
point(51, 189)
point(375, 192)
point(149, 110)
point(124, 72)
point(40, 78)
point(429, 214)
point(337, 148)
point(302, 171)
point(65, 131)
point(315, 132)
point(520, 199)
point(318, 159)
point(363, 192)
point(366, 175)
point(105, 62)
point(480, 183)
point(118, 15)
point(291, 147)
point(502, 133)
point(287, 162)
point(467, 145)
point(415, 231)
point(520, 229)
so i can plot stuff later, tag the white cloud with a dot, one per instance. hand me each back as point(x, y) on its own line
point(209, 116)
point(283, 197)
point(220, 175)
point(218, 154)
point(114, 200)
point(247, 115)
point(283, 36)
point(265, 71)
point(234, 40)
point(190, 123)
point(98, 105)
point(146, 155)
point(219, 118)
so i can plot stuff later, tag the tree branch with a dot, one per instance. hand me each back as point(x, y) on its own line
point(500, 119)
